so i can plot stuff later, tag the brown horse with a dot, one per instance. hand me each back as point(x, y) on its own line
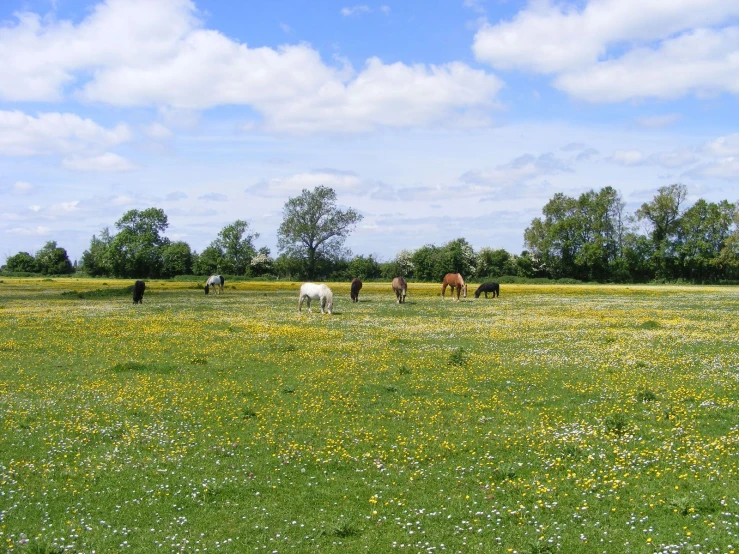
point(356, 287)
point(401, 289)
point(455, 281)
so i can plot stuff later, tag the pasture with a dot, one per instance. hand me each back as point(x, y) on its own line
point(551, 419)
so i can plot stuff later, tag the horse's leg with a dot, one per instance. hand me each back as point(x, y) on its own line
point(443, 290)
point(300, 303)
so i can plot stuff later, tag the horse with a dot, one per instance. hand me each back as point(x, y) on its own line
point(401, 289)
point(455, 281)
point(356, 287)
point(486, 288)
point(311, 291)
point(138, 292)
point(215, 281)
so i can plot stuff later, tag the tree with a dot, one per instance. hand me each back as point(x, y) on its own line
point(177, 259)
point(494, 263)
point(702, 233)
point(96, 260)
point(663, 214)
point(136, 251)
point(236, 245)
point(22, 262)
point(209, 262)
point(53, 260)
point(262, 263)
point(314, 228)
point(364, 268)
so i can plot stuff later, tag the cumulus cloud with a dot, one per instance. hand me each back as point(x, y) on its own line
point(725, 168)
point(22, 188)
point(355, 10)
point(723, 146)
point(175, 196)
point(55, 133)
point(340, 181)
point(668, 160)
point(614, 50)
point(628, 157)
point(104, 163)
point(658, 121)
point(132, 53)
point(521, 169)
point(214, 197)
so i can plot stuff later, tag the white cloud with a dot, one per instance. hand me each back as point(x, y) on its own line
point(22, 188)
point(723, 146)
point(628, 157)
point(614, 50)
point(131, 53)
point(521, 169)
point(355, 10)
point(658, 121)
point(55, 133)
point(725, 168)
point(668, 160)
point(157, 131)
point(104, 163)
point(340, 181)
point(33, 231)
point(214, 197)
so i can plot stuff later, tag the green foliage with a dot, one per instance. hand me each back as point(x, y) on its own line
point(177, 259)
point(22, 262)
point(364, 268)
point(314, 228)
point(235, 248)
point(53, 260)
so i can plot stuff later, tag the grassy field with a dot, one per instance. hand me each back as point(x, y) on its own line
point(552, 419)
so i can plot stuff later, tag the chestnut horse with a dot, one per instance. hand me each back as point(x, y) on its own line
point(356, 287)
point(401, 289)
point(455, 281)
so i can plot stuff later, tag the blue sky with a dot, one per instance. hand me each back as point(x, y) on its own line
point(436, 120)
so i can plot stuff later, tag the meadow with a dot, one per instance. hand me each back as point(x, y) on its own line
point(570, 419)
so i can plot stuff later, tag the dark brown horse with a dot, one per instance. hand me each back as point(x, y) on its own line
point(455, 281)
point(356, 287)
point(401, 289)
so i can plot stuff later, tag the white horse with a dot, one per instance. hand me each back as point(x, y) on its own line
point(311, 291)
point(216, 282)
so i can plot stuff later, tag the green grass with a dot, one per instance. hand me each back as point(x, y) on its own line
point(551, 419)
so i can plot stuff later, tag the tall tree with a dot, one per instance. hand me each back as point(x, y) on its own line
point(701, 236)
point(313, 228)
point(53, 260)
point(236, 244)
point(663, 214)
point(22, 262)
point(96, 259)
point(136, 251)
point(177, 259)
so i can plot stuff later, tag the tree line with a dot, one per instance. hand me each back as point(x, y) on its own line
point(588, 238)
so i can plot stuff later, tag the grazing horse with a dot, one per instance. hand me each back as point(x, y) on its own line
point(401, 289)
point(216, 282)
point(311, 291)
point(455, 281)
point(138, 292)
point(486, 288)
point(356, 287)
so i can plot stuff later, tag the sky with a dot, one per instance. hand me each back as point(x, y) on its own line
point(434, 119)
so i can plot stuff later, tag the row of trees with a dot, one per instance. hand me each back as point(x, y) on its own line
point(592, 238)
point(50, 260)
point(588, 238)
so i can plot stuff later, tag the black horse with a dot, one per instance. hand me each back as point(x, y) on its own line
point(138, 292)
point(486, 288)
